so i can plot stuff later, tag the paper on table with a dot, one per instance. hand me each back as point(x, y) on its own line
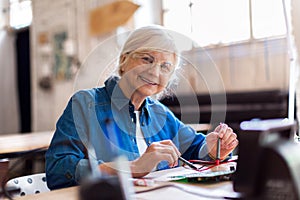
point(218, 190)
point(182, 172)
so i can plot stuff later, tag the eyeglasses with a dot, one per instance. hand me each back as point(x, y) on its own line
point(147, 59)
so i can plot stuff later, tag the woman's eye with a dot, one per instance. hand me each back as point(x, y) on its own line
point(166, 66)
point(147, 59)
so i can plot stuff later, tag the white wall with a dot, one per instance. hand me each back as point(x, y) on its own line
point(9, 117)
point(248, 66)
point(50, 17)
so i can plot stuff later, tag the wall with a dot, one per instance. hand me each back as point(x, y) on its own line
point(9, 106)
point(70, 16)
point(52, 17)
point(248, 66)
point(296, 41)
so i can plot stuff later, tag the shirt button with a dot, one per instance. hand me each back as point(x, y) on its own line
point(143, 124)
point(68, 175)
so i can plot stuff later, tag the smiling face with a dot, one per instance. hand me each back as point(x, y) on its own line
point(146, 73)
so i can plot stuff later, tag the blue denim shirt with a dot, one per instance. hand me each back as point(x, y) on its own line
point(100, 124)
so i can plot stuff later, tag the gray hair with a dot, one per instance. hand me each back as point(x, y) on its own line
point(155, 38)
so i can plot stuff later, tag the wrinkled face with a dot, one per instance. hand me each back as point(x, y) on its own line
point(148, 72)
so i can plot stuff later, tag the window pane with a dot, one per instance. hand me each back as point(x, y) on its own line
point(267, 18)
point(217, 21)
point(177, 16)
point(209, 22)
point(20, 13)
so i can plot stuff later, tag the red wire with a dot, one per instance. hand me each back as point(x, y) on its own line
point(209, 167)
point(202, 162)
point(212, 163)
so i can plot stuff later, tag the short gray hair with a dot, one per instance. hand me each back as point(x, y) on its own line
point(153, 38)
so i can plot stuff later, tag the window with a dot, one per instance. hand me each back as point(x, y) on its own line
point(20, 13)
point(267, 18)
point(218, 21)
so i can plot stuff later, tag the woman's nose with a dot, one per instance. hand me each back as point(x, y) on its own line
point(154, 69)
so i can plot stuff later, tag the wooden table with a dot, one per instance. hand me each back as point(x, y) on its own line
point(200, 127)
point(188, 191)
point(14, 145)
point(171, 190)
point(70, 193)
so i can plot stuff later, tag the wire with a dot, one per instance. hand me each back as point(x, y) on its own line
point(185, 189)
point(211, 164)
point(204, 162)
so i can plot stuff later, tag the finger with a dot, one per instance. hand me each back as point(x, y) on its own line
point(169, 142)
point(233, 144)
point(222, 130)
point(170, 151)
point(166, 152)
point(227, 134)
point(232, 136)
point(170, 159)
point(159, 152)
point(212, 137)
point(218, 128)
point(164, 148)
point(211, 141)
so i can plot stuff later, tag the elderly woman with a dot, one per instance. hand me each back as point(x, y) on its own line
point(121, 118)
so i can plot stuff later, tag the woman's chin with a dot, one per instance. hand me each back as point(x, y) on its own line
point(147, 91)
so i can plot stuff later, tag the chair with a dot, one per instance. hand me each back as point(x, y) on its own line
point(30, 184)
point(4, 163)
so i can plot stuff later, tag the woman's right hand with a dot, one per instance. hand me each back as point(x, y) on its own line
point(155, 153)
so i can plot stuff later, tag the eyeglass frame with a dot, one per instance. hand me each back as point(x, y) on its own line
point(152, 63)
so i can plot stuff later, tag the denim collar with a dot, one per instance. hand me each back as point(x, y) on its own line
point(116, 94)
point(118, 98)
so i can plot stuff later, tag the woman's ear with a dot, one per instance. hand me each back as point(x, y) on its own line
point(122, 62)
point(122, 58)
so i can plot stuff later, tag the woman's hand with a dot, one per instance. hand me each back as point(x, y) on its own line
point(228, 141)
point(156, 152)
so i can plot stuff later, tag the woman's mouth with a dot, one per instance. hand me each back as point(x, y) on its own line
point(147, 81)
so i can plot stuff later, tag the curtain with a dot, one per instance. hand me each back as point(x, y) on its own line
point(9, 116)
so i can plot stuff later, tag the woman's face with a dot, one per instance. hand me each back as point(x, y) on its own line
point(147, 73)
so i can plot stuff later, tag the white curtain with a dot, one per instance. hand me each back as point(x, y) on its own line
point(9, 111)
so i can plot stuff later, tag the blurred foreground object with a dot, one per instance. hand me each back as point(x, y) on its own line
point(269, 162)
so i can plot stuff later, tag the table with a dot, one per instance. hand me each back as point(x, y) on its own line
point(200, 127)
point(173, 193)
point(171, 190)
point(28, 146)
point(14, 145)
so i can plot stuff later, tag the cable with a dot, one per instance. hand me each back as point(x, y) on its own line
point(211, 164)
point(184, 189)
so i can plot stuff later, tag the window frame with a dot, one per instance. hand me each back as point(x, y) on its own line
point(251, 38)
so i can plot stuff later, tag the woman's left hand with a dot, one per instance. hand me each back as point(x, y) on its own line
point(228, 141)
